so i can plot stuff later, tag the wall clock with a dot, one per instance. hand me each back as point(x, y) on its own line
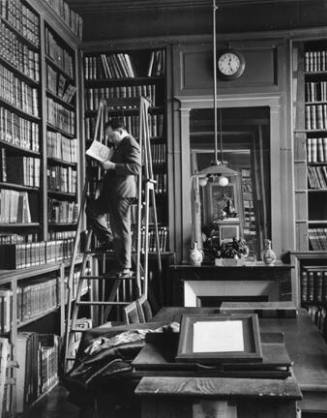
point(230, 64)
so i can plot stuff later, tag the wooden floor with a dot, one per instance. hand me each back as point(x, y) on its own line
point(54, 405)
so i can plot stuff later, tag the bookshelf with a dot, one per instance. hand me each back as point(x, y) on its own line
point(310, 147)
point(40, 175)
point(310, 177)
point(131, 73)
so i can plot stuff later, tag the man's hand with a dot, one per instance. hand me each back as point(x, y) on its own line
point(108, 165)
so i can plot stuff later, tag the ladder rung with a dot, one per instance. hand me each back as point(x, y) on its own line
point(102, 303)
point(79, 329)
point(70, 358)
point(107, 277)
point(99, 251)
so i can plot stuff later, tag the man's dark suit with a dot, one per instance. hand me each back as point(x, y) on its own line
point(118, 191)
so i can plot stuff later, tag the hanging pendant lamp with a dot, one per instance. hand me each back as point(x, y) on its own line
point(217, 168)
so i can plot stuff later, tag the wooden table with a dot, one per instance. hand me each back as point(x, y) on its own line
point(305, 345)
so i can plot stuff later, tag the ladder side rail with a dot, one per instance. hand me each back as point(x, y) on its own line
point(139, 210)
point(153, 196)
point(76, 244)
point(71, 270)
point(148, 185)
point(81, 281)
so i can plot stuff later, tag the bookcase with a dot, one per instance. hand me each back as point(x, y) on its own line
point(131, 73)
point(40, 172)
point(310, 176)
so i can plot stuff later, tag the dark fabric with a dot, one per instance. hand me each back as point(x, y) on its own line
point(121, 182)
point(108, 356)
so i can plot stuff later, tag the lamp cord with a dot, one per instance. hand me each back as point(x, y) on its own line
point(214, 8)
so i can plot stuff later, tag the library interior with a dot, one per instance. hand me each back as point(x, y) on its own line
point(163, 208)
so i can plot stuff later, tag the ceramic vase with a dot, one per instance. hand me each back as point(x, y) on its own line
point(268, 255)
point(196, 256)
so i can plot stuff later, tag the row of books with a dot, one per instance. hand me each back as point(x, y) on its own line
point(6, 388)
point(36, 297)
point(33, 299)
point(18, 93)
point(315, 61)
point(10, 238)
point(317, 177)
point(120, 65)
point(313, 286)
point(162, 235)
point(160, 185)
point(93, 96)
point(161, 213)
point(156, 125)
point(71, 18)
point(37, 356)
point(60, 147)
point(22, 18)
point(318, 315)
point(316, 91)
point(108, 66)
point(62, 179)
point(60, 117)
point(316, 117)
point(17, 256)
point(60, 55)
point(18, 169)
point(62, 212)
point(157, 65)
point(58, 85)
point(158, 151)
point(14, 207)
point(317, 150)
point(19, 54)
point(61, 235)
point(250, 227)
point(18, 131)
point(318, 238)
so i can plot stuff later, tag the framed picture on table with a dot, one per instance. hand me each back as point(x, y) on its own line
point(211, 339)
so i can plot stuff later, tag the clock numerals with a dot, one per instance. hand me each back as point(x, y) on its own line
point(231, 65)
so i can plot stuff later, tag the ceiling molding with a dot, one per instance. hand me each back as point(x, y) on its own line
point(118, 6)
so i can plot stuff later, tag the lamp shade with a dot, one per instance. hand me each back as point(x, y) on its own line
point(217, 170)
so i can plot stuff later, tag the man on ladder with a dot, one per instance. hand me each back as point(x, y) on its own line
point(118, 192)
point(119, 188)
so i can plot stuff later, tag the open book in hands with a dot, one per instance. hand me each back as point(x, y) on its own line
point(99, 151)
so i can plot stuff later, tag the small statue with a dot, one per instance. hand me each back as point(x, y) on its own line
point(229, 209)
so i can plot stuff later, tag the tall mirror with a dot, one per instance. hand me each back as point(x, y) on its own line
point(244, 135)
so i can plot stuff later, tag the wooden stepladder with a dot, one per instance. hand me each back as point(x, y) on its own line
point(137, 284)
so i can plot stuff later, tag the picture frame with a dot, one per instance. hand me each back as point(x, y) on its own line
point(228, 231)
point(212, 339)
point(215, 198)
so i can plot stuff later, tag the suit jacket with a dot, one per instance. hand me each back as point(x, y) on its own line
point(121, 182)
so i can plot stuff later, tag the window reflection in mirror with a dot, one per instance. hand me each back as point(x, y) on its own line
point(245, 144)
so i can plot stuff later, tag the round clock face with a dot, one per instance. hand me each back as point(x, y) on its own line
point(230, 65)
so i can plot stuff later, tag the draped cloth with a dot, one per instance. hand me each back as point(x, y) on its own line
point(107, 356)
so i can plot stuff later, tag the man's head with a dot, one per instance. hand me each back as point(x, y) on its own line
point(115, 131)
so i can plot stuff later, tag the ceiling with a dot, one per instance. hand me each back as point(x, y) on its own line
point(87, 6)
point(121, 19)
